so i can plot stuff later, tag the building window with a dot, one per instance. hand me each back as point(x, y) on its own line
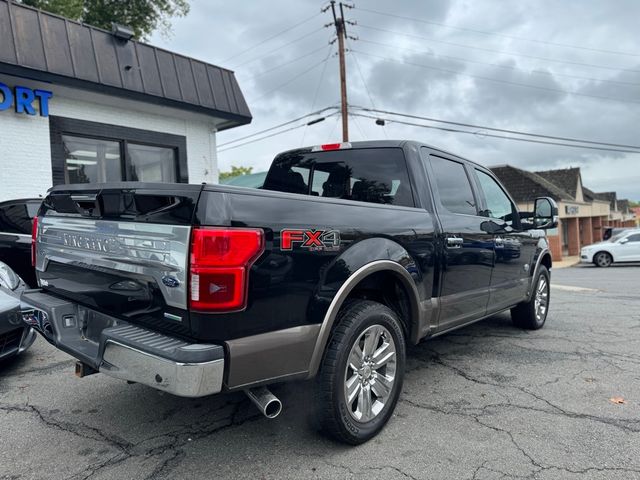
point(89, 152)
point(92, 160)
point(151, 164)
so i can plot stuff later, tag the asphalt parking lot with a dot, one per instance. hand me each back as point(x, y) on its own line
point(485, 402)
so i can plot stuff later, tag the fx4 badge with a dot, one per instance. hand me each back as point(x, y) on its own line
point(314, 240)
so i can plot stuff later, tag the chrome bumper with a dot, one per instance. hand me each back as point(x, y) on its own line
point(183, 379)
point(124, 350)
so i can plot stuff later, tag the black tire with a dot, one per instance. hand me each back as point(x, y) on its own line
point(336, 417)
point(602, 259)
point(526, 314)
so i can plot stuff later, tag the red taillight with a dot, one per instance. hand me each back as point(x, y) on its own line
point(219, 266)
point(34, 236)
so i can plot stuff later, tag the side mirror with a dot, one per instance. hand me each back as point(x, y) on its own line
point(545, 214)
point(623, 240)
point(8, 278)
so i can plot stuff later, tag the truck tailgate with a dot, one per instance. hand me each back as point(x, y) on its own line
point(120, 251)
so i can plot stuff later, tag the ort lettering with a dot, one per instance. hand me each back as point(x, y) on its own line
point(25, 100)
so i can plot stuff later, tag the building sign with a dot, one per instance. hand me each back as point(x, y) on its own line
point(25, 100)
point(572, 209)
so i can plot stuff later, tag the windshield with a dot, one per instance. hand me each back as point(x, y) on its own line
point(617, 237)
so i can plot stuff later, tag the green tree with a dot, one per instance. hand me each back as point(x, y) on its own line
point(235, 172)
point(143, 16)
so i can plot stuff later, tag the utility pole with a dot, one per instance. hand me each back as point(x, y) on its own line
point(341, 32)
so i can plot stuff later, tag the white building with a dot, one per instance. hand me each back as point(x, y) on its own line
point(79, 104)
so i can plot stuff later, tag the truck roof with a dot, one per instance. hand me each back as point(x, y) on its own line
point(388, 144)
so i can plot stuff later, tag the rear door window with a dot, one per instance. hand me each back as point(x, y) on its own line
point(365, 175)
point(454, 188)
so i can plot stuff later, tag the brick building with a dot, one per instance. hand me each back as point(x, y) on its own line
point(583, 213)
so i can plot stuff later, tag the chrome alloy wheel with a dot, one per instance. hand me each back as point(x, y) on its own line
point(370, 373)
point(541, 301)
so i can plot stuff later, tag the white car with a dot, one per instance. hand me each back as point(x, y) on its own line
point(623, 247)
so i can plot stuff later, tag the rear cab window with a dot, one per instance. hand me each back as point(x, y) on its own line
point(372, 175)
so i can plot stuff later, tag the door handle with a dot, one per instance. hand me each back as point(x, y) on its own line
point(454, 242)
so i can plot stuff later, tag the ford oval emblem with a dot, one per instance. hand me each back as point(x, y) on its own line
point(170, 281)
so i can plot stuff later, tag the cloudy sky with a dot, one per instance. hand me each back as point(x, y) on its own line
point(569, 68)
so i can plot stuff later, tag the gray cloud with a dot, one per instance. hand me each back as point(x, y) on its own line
point(217, 30)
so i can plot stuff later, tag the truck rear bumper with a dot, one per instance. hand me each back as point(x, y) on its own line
point(184, 379)
point(123, 350)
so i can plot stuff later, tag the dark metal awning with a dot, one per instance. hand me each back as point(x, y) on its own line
point(46, 47)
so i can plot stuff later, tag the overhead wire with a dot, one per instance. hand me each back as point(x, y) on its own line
point(317, 92)
point(295, 127)
point(281, 65)
point(290, 80)
point(498, 34)
point(496, 65)
point(364, 83)
point(492, 50)
point(271, 37)
point(274, 127)
point(284, 45)
point(498, 80)
point(505, 137)
point(496, 129)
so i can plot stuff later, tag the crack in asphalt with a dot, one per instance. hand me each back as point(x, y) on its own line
point(538, 467)
point(627, 424)
point(174, 441)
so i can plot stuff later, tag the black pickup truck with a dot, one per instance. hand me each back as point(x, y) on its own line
point(348, 253)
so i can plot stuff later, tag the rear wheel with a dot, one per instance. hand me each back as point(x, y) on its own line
point(361, 374)
point(532, 314)
point(603, 259)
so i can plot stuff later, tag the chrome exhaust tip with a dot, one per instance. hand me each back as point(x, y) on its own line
point(268, 404)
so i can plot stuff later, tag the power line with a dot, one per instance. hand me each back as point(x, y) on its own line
point(507, 67)
point(355, 59)
point(355, 120)
point(277, 67)
point(503, 35)
point(290, 80)
point(263, 55)
point(288, 29)
point(497, 80)
point(502, 52)
point(315, 96)
point(317, 112)
point(495, 129)
point(312, 122)
point(530, 140)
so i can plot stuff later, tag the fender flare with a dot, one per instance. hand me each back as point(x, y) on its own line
point(543, 253)
point(343, 292)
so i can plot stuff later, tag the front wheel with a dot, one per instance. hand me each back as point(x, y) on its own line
point(603, 259)
point(532, 314)
point(361, 374)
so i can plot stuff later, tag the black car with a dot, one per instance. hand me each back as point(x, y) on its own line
point(16, 220)
point(15, 338)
